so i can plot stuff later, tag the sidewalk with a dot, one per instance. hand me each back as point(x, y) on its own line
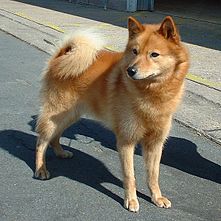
point(43, 24)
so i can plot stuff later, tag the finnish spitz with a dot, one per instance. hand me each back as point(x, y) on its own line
point(134, 93)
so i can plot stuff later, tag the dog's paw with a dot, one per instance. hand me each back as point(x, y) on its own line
point(162, 202)
point(42, 174)
point(132, 205)
point(65, 154)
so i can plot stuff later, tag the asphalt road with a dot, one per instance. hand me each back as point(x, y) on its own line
point(88, 186)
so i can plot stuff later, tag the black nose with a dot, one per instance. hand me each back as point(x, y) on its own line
point(131, 71)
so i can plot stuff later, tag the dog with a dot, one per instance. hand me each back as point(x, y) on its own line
point(134, 93)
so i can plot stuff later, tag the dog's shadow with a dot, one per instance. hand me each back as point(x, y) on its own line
point(84, 168)
point(178, 153)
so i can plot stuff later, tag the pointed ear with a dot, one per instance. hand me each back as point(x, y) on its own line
point(168, 30)
point(134, 27)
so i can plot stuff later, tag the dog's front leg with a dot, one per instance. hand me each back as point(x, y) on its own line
point(126, 152)
point(152, 151)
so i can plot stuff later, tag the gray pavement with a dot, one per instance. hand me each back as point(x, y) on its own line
point(89, 187)
point(42, 23)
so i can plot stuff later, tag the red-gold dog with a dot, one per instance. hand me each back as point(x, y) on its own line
point(134, 93)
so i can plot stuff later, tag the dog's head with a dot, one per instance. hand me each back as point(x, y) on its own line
point(153, 51)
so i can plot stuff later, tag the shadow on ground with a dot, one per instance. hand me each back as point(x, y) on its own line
point(84, 168)
point(179, 153)
point(199, 30)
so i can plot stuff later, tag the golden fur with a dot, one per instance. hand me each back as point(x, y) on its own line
point(134, 93)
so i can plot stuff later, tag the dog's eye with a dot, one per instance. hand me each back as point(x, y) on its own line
point(154, 54)
point(135, 51)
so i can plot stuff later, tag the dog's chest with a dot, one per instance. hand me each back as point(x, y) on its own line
point(148, 109)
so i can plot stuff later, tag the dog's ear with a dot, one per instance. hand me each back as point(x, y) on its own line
point(134, 27)
point(168, 30)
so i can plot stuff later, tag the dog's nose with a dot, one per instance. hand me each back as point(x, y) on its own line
point(131, 71)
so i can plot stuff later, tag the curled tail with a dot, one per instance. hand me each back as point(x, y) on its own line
point(76, 53)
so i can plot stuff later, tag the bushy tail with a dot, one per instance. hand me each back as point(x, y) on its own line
point(75, 54)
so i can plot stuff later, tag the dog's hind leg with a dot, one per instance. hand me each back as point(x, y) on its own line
point(59, 151)
point(41, 170)
point(50, 130)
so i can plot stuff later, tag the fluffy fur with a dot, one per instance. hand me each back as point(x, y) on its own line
point(134, 93)
point(83, 45)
